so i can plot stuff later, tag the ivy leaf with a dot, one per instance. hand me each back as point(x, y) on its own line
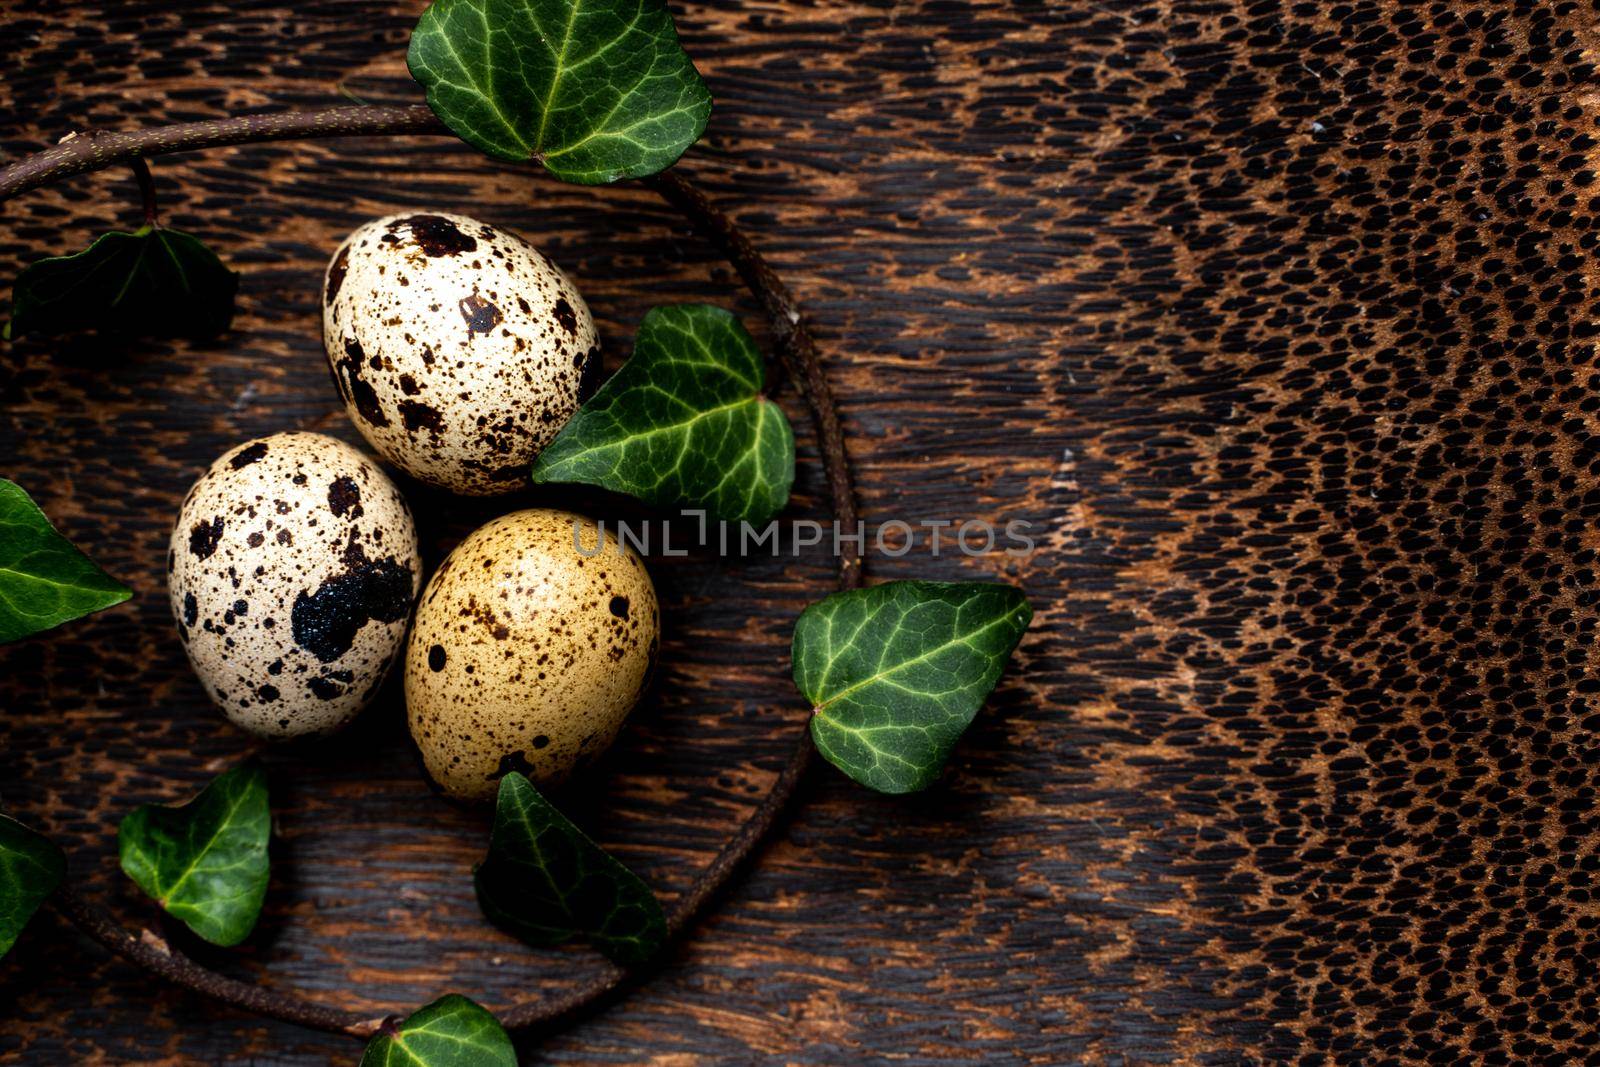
point(205, 862)
point(44, 581)
point(595, 89)
point(896, 673)
point(31, 867)
point(545, 882)
point(153, 282)
point(450, 1032)
point(683, 422)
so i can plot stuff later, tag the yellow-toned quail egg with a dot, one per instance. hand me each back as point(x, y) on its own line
point(458, 348)
point(532, 643)
point(292, 571)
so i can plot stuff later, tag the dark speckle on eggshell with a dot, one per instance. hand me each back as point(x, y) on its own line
point(481, 316)
point(336, 273)
point(513, 761)
point(356, 389)
point(325, 623)
point(344, 497)
point(591, 373)
point(204, 537)
point(437, 236)
point(332, 685)
point(566, 316)
point(416, 415)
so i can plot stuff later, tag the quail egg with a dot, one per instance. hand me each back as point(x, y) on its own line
point(532, 642)
point(458, 348)
point(292, 571)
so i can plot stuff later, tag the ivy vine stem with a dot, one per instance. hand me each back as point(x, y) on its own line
point(97, 149)
point(155, 955)
point(798, 351)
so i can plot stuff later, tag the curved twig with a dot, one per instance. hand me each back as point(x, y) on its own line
point(156, 956)
point(797, 348)
point(80, 153)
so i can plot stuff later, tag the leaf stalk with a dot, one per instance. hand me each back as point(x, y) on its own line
point(147, 191)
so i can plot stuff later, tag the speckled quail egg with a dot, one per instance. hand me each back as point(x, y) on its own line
point(458, 348)
point(532, 643)
point(292, 571)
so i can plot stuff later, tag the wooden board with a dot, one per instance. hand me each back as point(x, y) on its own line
point(1276, 319)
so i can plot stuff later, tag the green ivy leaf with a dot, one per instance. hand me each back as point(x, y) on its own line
point(896, 673)
point(546, 882)
point(596, 89)
point(44, 581)
point(205, 862)
point(31, 867)
point(153, 282)
point(683, 422)
point(450, 1032)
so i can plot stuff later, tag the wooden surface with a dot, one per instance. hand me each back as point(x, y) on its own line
point(1277, 319)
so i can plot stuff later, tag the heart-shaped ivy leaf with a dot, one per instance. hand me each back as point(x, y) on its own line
point(595, 89)
point(450, 1032)
point(205, 862)
point(545, 882)
point(896, 673)
point(683, 422)
point(31, 867)
point(44, 581)
point(153, 282)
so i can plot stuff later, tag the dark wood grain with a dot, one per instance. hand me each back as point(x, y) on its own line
point(1276, 319)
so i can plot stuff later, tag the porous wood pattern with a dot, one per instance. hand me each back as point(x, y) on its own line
point(1275, 318)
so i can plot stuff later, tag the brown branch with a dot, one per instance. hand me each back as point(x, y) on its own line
point(798, 350)
point(156, 956)
point(95, 150)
